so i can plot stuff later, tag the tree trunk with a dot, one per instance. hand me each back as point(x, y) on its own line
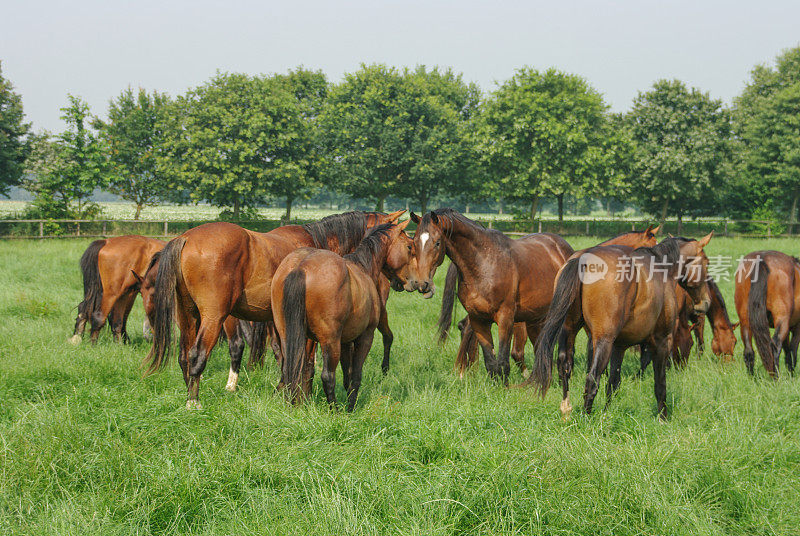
point(664, 208)
point(680, 223)
point(236, 209)
point(534, 206)
point(423, 204)
point(560, 198)
point(466, 209)
point(138, 211)
point(288, 215)
point(379, 204)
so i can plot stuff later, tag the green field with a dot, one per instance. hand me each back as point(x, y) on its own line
point(87, 446)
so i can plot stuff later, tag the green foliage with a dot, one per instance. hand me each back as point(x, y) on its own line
point(542, 135)
point(389, 132)
point(767, 122)
point(682, 140)
point(14, 145)
point(133, 136)
point(65, 169)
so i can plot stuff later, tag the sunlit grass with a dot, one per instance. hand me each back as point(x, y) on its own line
point(89, 447)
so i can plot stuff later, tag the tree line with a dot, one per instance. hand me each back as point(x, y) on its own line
point(239, 141)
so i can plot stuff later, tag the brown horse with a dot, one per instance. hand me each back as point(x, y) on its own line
point(220, 269)
point(624, 297)
point(767, 294)
point(502, 281)
point(335, 301)
point(724, 339)
point(236, 331)
point(109, 286)
point(634, 239)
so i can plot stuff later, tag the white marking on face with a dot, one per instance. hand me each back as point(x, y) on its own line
point(424, 238)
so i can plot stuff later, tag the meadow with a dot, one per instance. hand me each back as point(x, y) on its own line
point(88, 446)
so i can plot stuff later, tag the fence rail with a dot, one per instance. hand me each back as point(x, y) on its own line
point(48, 229)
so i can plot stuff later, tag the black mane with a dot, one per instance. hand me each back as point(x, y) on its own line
point(348, 228)
point(668, 249)
point(367, 253)
point(153, 261)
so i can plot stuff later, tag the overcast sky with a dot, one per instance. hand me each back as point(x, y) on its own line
point(95, 49)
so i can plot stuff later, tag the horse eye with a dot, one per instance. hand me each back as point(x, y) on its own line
point(409, 248)
point(437, 243)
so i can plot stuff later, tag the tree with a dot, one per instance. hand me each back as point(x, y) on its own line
point(681, 142)
point(14, 146)
point(133, 135)
point(540, 135)
point(767, 123)
point(297, 162)
point(67, 168)
point(389, 132)
point(229, 141)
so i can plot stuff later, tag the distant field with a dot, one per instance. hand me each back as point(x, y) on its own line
point(87, 446)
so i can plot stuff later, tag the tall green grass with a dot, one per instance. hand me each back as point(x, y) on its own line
point(87, 446)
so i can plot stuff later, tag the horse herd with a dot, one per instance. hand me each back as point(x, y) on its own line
point(326, 284)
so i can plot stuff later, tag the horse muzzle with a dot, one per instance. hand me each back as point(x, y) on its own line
point(428, 289)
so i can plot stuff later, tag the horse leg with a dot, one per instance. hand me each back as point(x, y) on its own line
point(388, 338)
point(614, 372)
point(483, 332)
point(331, 352)
point(749, 354)
point(347, 364)
point(360, 352)
point(207, 337)
point(235, 335)
point(99, 317)
point(119, 317)
point(791, 353)
point(275, 342)
point(521, 336)
point(308, 368)
point(645, 357)
point(505, 331)
point(602, 354)
point(467, 348)
point(699, 333)
point(661, 352)
point(778, 338)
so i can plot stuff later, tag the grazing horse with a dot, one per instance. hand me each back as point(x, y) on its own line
point(335, 301)
point(624, 297)
point(724, 337)
point(634, 239)
point(502, 281)
point(220, 269)
point(767, 294)
point(109, 284)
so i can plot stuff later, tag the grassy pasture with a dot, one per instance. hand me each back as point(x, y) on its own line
point(89, 447)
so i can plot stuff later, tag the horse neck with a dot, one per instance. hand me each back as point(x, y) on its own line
point(372, 266)
point(463, 245)
point(632, 239)
point(718, 314)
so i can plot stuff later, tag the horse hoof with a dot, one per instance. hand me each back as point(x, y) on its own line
point(566, 409)
point(233, 380)
point(193, 404)
point(75, 339)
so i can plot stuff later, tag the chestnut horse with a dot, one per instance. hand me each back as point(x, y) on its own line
point(624, 297)
point(109, 284)
point(502, 281)
point(236, 331)
point(767, 294)
point(466, 358)
point(335, 301)
point(220, 269)
point(723, 336)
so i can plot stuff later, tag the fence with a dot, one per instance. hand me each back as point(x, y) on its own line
point(26, 229)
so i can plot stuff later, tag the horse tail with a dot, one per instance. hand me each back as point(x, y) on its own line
point(567, 289)
point(757, 308)
point(169, 270)
point(466, 351)
point(294, 343)
point(448, 302)
point(258, 343)
point(92, 284)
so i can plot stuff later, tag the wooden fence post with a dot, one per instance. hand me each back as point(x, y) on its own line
point(726, 227)
point(105, 227)
point(166, 228)
point(78, 228)
point(587, 227)
point(41, 229)
point(540, 226)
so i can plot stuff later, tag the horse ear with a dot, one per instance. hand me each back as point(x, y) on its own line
point(415, 218)
point(657, 229)
point(139, 278)
point(703, 242)
point(402, 225)
point(434, 218)
point(648, 230)
point(394, 216)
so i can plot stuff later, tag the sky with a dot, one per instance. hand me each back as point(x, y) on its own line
point(95, 49)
